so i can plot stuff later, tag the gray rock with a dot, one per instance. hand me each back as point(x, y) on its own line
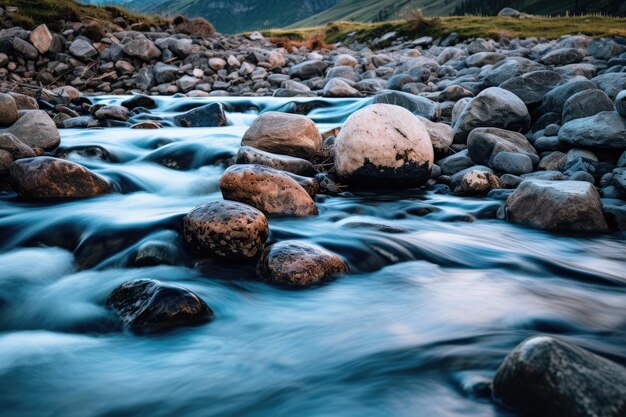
point(512, 163)
point(509, 12)
point(484, 144)
point(142, 49)
point(150, 306)
point(586, 103)
point(82, 49)
point(346, 72)
point(337, 87)
point(417, 105)
point(37, 130)
point(582, 176)
point(548, 377)
point(80, 122)
point(603, 130)
point(555, 99)
point(308, 69)
point(226, 229)
point(398, 81)
point(615, 215)
point(112, 112)
point(484, 58)
point(298, 166)
point(187, 83)
point(455, 163)
point(493, 107)
point(298, 264)
point(563, 56)
point(531, 88)
point(164, 73)
point(25, 49)
point(554, 161)
point(557, 206)
point(8, 110)
point(611, 83)
point(619, 179)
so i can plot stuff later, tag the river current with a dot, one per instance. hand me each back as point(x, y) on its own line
point(439, 291)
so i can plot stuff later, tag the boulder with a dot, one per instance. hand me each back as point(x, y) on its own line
point(283, 133)
point(384, 145)
point(586, 103)
point(267, 189)
point(209, 115)
point(15, 147)
point(548, 377)
point(604, 130)
point(531, 88)
point(509, 12)
point(557, 206)
point(420, 106)
point(563, 56)
point(37, 130)
point(150, 306)
point(8, 110)
point(25, 49)
point(24, 102)
point(456, 162)
point(112, 113)
point(298, 264)
point(512, 163)
point(620, 103)
point(226, 228)
point(337, 87)
point(298, 166)
point(484, 144)
point(493, 107)
point(52, 178)
point(440, 136)
point(555, 99)
point(611, 83)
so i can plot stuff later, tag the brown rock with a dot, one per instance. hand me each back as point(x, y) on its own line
point(226, 228)
point(41, 38)
point(46, 177)
point(282, 133)
point(15, 147)
point(250, 155)
point(267, 189)
point(298, 264)
point(8, 110)
point(37, 130)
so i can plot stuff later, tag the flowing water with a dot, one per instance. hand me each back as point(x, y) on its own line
point(439, 292)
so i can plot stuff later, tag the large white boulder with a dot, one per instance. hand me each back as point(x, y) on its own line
point(384, 145)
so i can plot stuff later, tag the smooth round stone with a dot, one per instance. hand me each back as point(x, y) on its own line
point(8, 110)
point(226, 228)
point(298, 264)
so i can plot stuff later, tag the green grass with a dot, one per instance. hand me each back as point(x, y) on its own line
point(34, 12)
point(466, 27)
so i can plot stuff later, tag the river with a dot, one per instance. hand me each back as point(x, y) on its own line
point(439, 291)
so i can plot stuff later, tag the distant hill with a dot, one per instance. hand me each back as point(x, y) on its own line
point(233, 16)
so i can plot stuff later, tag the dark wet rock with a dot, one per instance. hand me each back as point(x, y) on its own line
point(619, 179)
point(484, 144)
point(226, 228)
point(615, 215)
point(139, 100)
point(512, 163)
point(209, 115)
point(582, 176)
point(298, 264)
point(146, 125)
point(15, 147)
point(308, 69)
point(549, 377)
point(474, 181)
point(8, 110)
point(544, 175)
point(532, 87)
point(604, 130)
point(386, 145)
point(586, 103)
point(417, 105)
point(37, 130)
point(51, 178)
point(327, 184)
point(554, 161)
point(456, 162)
point(150, 306)
point(267, 189)
point(493, 107)
point(510, 181)
point(555, 99)
point(299, 166)
point(80, 122)
point(557, 205)
point(550, 144)
point(155, 252)
point(283, 133)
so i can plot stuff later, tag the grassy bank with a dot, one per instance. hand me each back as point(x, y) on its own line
point(465, 26)
point(31, 13)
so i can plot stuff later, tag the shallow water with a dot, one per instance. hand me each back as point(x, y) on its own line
point(439, 292)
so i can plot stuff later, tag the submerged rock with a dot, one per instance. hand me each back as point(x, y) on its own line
point(548, 377)
point(226, 228)
point(282, 133)
point(557, 205)
point(267, 189)
point(46, 177)
point(209, 115)
point(384, 145)
point(149, 306)
point(298, 264)
point(250, 155)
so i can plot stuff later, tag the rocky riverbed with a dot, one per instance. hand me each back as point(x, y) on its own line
point(414, 191)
